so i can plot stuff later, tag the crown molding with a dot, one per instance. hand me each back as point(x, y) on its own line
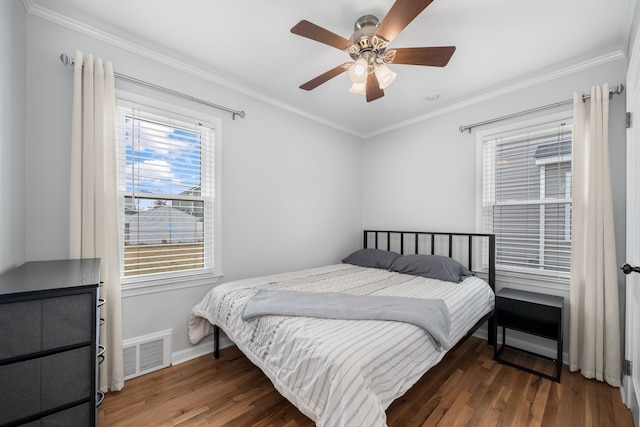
point(153, 55)
point(27, 4)
point(567, 70)
point(129, 46)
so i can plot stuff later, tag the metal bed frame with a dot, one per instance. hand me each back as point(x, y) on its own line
point(415, 242)
point(433, 243)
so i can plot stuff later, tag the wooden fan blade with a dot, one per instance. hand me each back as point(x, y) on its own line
point(319, 34)
point(373, 88)
point(322, 78)
point(399, 16)
point(430, 56)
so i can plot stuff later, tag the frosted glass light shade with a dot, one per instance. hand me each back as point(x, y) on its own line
point(359, 88)
point(358, 71)
point(385, 76)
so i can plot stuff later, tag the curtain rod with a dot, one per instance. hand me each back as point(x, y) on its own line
point(614, 91)
point(67, 60)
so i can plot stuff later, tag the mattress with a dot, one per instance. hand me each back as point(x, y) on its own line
point(340, 372)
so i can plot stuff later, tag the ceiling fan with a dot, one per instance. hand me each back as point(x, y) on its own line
point(368, 49)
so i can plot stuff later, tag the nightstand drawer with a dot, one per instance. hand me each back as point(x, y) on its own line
point(529, 317)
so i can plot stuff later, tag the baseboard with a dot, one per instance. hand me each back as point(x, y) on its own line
point(203, 348)
point(527, 342)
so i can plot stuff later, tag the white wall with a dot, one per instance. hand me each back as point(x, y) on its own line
point(13, 67)
point(291, 188)
point(423, 177)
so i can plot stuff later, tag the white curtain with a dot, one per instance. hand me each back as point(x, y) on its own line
point(94, 203)
point(595, 320)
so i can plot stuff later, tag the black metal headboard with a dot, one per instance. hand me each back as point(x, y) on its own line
point(459, 246)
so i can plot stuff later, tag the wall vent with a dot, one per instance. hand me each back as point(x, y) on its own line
point(147, 353)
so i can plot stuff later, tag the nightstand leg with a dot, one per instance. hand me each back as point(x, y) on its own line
point(496, 346)
point(559, 361)
point(504, 336)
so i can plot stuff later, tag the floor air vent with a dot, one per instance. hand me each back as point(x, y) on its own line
point(146, 354)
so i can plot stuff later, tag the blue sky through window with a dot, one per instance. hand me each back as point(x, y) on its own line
point(162, 160)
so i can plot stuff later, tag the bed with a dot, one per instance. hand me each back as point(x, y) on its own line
point(343, 372)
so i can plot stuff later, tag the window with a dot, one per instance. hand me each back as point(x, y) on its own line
point(167, 191)
point(526, 197)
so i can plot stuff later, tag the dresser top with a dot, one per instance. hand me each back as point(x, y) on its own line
point(48, 275)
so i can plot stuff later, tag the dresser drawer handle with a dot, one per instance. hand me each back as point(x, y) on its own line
point(101, 350)
point(100, 398)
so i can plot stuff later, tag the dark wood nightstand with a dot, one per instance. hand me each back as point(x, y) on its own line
point(535, 314)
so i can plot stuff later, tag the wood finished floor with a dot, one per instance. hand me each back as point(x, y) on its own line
point(466, 389)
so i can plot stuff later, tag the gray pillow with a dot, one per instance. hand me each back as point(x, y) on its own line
point(432, 266)
point(374, 258)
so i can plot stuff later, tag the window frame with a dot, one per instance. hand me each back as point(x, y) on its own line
point(528, 277)
point(160, 282)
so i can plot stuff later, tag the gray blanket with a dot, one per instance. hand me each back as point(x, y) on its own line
point(432, 315)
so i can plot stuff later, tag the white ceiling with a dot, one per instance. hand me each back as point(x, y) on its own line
point(247, 43)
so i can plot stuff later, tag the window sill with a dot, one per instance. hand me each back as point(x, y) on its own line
point(168, 284)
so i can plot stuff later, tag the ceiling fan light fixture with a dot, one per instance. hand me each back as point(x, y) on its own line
point(385, 76)
point(359, 88)
point(367, 48)
point(358, 71)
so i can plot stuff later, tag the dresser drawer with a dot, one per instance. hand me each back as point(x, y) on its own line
point(20, 326)
point(46, 383)
point(68, 320)
point(78, 416)
point(19, 390)
point(66, 377)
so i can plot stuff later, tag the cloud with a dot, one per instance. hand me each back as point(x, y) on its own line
point(152, 176)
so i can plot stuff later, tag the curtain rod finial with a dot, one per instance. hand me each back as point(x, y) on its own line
point(65, 59)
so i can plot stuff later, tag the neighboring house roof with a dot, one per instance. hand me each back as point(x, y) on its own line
point(553, 149)
point(163, 224)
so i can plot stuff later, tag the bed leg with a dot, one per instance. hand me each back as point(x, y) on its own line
point(216, 342)
point(492, 332)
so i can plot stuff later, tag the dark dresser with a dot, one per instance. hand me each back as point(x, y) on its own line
point(48, 343)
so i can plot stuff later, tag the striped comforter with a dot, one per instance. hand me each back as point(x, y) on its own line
point(340, 372)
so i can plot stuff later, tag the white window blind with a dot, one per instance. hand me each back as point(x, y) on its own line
point(166, 190)
point(526, 200)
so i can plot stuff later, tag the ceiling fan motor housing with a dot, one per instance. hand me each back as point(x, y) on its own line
point(366, 43)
